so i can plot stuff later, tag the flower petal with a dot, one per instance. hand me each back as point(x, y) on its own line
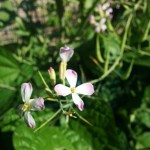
point(62, 90)
point(103, 20)
point(97, 29)
point(105, 5)
point(26, 91)
point(85, 89)
point(29, 119)
point(103, 27)
point(78, 101)
point(71, 76)
point(37, 104)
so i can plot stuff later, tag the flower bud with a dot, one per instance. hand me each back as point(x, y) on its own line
point(66, 53)
point(52, 75)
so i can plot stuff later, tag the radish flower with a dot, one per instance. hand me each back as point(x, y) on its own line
point(29, 104)
point(101, 26)
point(85, 89)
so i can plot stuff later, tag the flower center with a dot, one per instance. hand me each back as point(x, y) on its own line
point(73, 89)
point(26, 107)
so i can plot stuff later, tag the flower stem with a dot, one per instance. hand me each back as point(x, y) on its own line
point(52, 117)
point(121, 53)
point(98, 50)
point(46, 122)
point(47, 87)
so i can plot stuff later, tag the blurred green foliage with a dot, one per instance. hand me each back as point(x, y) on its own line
point(31, 33)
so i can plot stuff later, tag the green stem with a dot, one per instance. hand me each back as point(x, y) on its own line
point(47, 87)
point(85, 22)
point(121, 53)
point(46, 122)
point(98, 50)
point(83, 119)
point(106, 62)
point(146, 31)
point(52, 117)
point(8, 87)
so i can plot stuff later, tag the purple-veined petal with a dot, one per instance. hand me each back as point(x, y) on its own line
point(71, 77)
point(85, 89)
point(78, 101)
point(26, 91)
point(62, 90)
point(29, 119)
point(37, 104)
point(66, 53)
point(20, 111)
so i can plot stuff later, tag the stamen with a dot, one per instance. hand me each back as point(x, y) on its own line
point(73, 89)
point(26, 107)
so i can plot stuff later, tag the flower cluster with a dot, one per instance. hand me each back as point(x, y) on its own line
point(60, 90)
point(98, 21)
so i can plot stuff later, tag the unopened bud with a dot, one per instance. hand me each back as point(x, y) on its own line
point(52, 75)
point(66, 53)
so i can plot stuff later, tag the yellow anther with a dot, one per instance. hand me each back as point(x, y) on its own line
point(73, 89)
point(26, 107)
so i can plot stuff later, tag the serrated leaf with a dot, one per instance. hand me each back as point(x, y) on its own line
point(9, 69)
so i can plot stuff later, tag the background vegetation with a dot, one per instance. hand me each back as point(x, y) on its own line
point(31, 34)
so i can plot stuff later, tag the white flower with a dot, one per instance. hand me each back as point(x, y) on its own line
point(85, 89)
point(101, 26)
point(29, 104)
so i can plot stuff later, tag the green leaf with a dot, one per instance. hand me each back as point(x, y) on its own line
point(143, 116)
point(80, 140)
point(8, 5)
point(143, 141)
point(4, 16)
point(146, 98)
point(48, 138)
point(112, 46)
point(139, 59)
point(5, 102)
point(9, 69)
point(104, 135)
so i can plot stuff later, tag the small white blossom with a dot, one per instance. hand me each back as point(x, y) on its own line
point(85, 89)
point(29, 104)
